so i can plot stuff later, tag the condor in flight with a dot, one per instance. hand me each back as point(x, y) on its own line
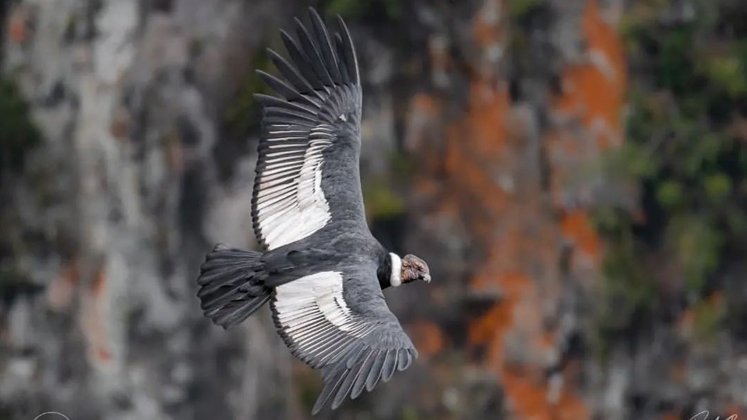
point(322, 272)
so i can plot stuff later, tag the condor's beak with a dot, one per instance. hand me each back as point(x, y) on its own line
point(427, 278)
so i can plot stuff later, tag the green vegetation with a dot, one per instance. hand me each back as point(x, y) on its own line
point(696, 244)
point(688, 159)
point(709, 316)
point(356, 9)
point(18, 134)
point(728, 73)
point(381, 201)
point(243, 112)
point(410, 412)
point(308, 389)
point(519, 9)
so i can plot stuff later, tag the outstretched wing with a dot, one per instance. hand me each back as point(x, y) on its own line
point(307, 131)
point(349, 333)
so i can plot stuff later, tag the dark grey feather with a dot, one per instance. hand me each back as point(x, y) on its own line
point(336, 376)
point(302, 61)
point(284, 89)
point(375, 373)
point(272, 101)
point(355, 353)
point(230, 286)
point(403, 359)
point(344, 390)
point(360, 381)
point(390, 363)
point(291, 74)
point(313, 54)
point(217, 276)
point(220, 296)
point(325, 46)
point(281, 119)
point(348, 52)
point(238, 311)
point(346, 77)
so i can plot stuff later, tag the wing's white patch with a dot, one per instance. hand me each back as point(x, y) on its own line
point(290, 202)
point(395, 279)
point(313, 312)
point(343, 117)
point(319, 293)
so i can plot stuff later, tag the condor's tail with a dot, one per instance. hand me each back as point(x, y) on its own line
point(231, 285)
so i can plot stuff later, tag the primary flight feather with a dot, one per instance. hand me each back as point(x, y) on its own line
point(322, 271)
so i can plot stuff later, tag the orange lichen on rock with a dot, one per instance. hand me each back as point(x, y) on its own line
point(577, 227)
point(594, 90)
point(489, 106)
point(492, 325)
point(525, 386)
point(423, 114)
point(530, 398)
point(61, 290)
point(121, 124)
point(424, 138)
point(428, 338)
point(686, 322)
point(476, 175)
point(474, 146)
point(593, 94)
point(486, 27)
point(103, 354)
point(94, 318)
point(98, 284)
point(18, 27)
point(484, 329)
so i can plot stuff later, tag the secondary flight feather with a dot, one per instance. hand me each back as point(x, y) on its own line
point(322, 271)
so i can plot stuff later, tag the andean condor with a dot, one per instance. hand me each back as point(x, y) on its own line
point(323, 271)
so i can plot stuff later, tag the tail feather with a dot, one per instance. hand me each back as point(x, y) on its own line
point(230, 283)
point(235, 312)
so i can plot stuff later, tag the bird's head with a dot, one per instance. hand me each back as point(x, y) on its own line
point(414, 268)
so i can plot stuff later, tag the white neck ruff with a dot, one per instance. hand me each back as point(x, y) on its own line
point(395, 279)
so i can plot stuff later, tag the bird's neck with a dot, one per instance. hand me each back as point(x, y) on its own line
point(390, 270)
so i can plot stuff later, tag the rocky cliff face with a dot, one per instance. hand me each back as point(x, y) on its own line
point(109, 217)
point(492, 132)
point(540, 102)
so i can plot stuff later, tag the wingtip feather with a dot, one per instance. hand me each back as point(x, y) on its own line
point(351, 57)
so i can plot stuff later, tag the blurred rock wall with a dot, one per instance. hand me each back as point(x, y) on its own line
point(109, 217)
point(487, 126)
point(530, 97)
